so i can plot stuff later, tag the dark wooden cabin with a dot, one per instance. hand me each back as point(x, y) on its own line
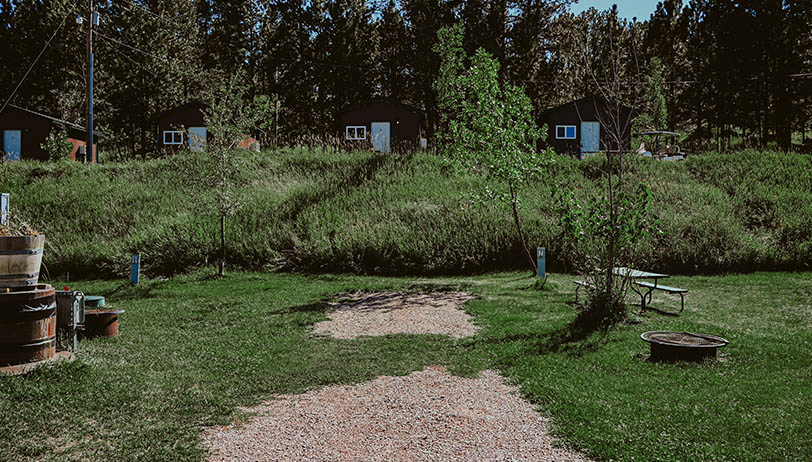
point(24, 132)
point(185, 126)
point(383, 124)
point(182, 126)
point(579, 127)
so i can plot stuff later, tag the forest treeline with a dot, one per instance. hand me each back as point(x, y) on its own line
point(732, 69)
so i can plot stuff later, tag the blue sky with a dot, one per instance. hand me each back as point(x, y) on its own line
point(642, 9)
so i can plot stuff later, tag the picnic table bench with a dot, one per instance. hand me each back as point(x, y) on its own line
point(654, 286)
point(647, 287)
point(580, 284)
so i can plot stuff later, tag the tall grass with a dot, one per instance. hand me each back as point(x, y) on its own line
point(330, 210)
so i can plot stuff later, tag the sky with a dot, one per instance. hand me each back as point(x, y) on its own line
point(628, 9)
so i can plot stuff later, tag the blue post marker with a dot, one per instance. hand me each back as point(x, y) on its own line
point(541, 263)
point(3, 208)
point(90, 109)
point(135, 269)
point(92, 20)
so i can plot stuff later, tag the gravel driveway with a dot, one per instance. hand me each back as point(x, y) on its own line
point(429, 415)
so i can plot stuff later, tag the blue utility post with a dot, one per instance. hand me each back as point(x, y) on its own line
point(135, 269)
point(92, 20)
point(541, 263)
point(90, 111)
point(3, 208)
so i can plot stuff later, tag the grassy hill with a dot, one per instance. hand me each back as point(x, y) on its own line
point(312, 210)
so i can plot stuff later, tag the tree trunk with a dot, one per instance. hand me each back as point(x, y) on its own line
point(519, 228)
point(765, 133)
point(221, 267)
point(610, 266)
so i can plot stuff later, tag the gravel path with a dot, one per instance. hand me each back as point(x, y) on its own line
point(428, 415)
point(399, 313)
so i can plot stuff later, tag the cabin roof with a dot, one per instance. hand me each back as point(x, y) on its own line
point(190, 105)
point(60, 122)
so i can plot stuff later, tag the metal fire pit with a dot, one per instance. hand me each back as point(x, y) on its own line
point(682, 346)
point(101, 323)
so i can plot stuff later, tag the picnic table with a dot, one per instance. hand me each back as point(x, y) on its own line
point(635, 275)
point(642, 287)
point(637, 278)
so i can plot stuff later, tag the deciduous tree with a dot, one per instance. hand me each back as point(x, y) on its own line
point(487, 125)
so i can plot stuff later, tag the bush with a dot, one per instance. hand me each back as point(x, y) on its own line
point(57, 146)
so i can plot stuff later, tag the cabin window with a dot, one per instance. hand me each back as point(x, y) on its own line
point(356, 132)
point(565, 132)
point(173, 137)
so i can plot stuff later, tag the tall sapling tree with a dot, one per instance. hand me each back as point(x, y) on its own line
point(230, 119)
point(487, 126)
point(608, 230)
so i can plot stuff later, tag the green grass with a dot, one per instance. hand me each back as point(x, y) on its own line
point(193, 349)
point(401, 214)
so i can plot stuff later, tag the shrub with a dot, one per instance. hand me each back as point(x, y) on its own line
point(57, 146)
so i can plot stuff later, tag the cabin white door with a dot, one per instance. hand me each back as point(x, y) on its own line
point(12, 144)
point(590, 138)
point(380, 136)
point(197, 138)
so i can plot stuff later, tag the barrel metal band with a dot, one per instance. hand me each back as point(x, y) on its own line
point(42, 307)
point(43, 343)
point(20, 276)
point(21, 252)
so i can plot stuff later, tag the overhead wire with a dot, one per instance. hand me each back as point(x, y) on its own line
point(111, 39)
point(36, 60)
point(130, 59)
point(373, 68)
point(416, 72)
point(524, 81)
point(150, 12)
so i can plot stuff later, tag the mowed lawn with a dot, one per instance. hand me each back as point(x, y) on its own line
point(193, 349)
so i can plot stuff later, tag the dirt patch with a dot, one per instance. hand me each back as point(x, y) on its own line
point(426, 416)
point(384, 313)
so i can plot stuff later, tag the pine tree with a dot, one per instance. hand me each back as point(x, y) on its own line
point(287, 64)
point(424, 19)
point(395, 81)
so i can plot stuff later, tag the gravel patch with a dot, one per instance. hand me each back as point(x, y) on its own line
point(385, 313)
point(429, 415)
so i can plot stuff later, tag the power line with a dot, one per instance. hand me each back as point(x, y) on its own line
point(111, 39)
point(36, 60)
point(148, 11)
point(143, 67)
point(524, 81)
point(374, 68)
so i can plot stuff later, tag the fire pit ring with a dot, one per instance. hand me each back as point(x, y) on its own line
point(101, 323)
point(682, 346)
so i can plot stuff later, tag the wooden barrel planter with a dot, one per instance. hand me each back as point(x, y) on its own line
point(27, 325)
point(20, 259)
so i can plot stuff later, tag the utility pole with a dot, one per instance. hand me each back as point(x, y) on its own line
point(276, 112)
point(91, 20)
